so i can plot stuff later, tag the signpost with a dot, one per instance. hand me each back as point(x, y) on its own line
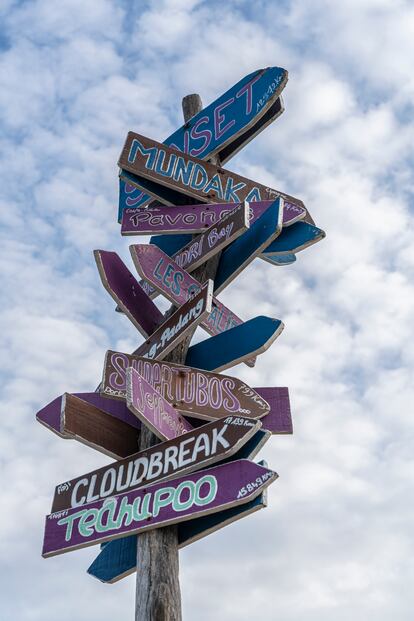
point(193, 392)
point(190, 496)
point(195, 310)
point(162, 491)
point(192, 451)
point(194, 218)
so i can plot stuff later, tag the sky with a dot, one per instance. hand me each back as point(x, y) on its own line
point(336, 540)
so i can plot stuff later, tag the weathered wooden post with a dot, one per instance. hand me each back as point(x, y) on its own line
point(158, 596)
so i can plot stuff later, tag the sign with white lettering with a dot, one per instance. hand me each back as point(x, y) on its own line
point(193, 392)
point(194, 218)
point(171, 176)
point(152, 409)
point(161, 504)
point(127, 293)
point(173, 330)
point(226, 125)
point(118, 558)
point(191, 451)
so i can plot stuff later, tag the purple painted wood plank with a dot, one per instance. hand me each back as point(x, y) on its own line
point(194, 218)
point(193, 495)
point(279, 419)
point(150, 407)
point(127, 293)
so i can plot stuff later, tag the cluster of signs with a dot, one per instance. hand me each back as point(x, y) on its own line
point(210, 426)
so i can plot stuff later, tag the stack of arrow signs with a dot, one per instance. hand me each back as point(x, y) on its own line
point(201, 475)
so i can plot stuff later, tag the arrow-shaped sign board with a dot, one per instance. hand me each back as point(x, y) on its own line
point(236, 345)
point(227, 124)
point(297, 237)
point(194, 218)
point(192, 392)
point(171, 176)
point(177, 285)
point(118, 558)
point(191, 451)
point(127, 293)
point(152, 409)
point(195, 310)
point(184, 498)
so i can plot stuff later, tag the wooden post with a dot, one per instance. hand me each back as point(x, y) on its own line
point(158, 596)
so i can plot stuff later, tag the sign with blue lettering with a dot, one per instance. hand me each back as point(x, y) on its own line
point(226, 125)
point(238, 344)
point(175, 177)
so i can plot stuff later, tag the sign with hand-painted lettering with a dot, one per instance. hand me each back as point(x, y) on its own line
point(88, 424)
point(127, 293)
point(177, 285)
point(161, 504)
point(194, 218)
point(171, 176)
point(250, 105)
point(173, 330)
point(235, 345)
point(296, 237)
point(191, 451)
point(152, 409)
point(118, 558)
point(193, 392)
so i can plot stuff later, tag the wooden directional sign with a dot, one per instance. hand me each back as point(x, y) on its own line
point(177, 285)
point(296, 237)
point(236, 257)
point(118, 558)
point(194, 218)
point(173, 330)
point(152, 409)
point(238, 344)
point(71, 417)
point(50, 415)
point(127, 293)
point(171, 176)
point(227, 124)
point(192, 392)
point(191, 451)
point(187, 497)
point(279, 419)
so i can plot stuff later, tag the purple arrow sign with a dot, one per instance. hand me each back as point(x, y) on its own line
point(127, 293)
point(152, 409)
point(194, 495)
point(194, 218)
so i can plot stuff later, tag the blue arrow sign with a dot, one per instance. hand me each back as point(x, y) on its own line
point(235, 345)
point(280, 259)
point(295, 238)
